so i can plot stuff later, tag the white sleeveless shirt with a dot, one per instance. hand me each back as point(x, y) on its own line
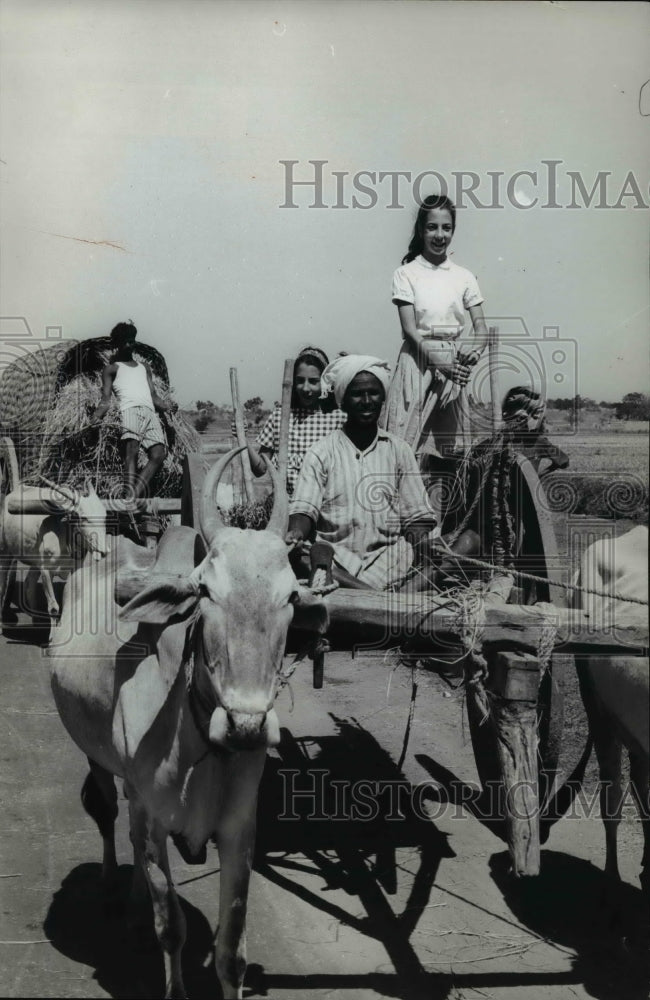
point(131, 386)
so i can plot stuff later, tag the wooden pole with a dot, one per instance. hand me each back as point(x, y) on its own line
point(514, 685)
point(241, 436)
point(493, 360)
point(283, 450)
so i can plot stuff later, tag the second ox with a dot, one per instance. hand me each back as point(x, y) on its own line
point(48, 543)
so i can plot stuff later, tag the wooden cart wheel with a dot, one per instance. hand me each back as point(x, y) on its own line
point(194, 471)
point(536, 554)
point(9, 474)
point(539, 556)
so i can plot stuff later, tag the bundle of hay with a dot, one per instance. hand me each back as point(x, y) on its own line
point(255, 514)
point(47, 399)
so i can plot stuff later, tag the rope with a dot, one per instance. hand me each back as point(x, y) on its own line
point(482, 564)
point(547, 637)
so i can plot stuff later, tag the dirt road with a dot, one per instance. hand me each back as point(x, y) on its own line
point(408, 898)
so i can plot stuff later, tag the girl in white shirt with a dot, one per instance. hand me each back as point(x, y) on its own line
point(425, 399)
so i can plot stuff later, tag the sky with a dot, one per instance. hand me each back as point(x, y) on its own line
point(144, 175)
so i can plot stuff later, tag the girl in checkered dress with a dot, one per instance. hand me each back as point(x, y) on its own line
point(311, 418)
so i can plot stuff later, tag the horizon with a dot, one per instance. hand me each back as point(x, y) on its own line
point(152, 154)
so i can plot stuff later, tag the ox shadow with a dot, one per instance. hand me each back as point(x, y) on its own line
point(85, 928)
point(337, 807)
point(574, 905)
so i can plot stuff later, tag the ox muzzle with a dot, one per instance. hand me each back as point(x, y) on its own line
point(232, 730)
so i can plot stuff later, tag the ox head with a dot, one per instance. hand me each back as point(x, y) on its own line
point(244, 594)
point(87, 513)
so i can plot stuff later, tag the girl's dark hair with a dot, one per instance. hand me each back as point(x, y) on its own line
point(520, 397)
point(524, 401)
point(122, 333)
point(313, 356)
point(433, 201)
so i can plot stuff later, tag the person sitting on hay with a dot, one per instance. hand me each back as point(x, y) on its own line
point(132, 383)
point(360, 493)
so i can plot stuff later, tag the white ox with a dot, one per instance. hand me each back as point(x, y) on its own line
point(49, 543)
point(616, 690)
point(174, 694)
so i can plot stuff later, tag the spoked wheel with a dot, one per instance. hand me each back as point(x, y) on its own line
point(537, 555)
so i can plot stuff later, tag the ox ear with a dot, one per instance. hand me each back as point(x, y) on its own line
point(162, 603)
point(309, 612)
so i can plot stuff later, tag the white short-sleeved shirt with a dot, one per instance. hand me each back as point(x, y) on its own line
point(440, 294)
point(361, 502)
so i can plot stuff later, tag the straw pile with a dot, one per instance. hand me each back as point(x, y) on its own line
point(255, 514)
point(46, 402)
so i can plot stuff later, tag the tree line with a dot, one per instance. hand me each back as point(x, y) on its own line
point(209, 412)
point(633, 406)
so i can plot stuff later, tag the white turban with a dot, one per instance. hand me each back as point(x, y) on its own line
point(339, 373)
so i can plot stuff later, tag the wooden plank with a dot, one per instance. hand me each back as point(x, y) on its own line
point(515, 627)
point(240, 433)
point(372, 616)
point(514, 676)
point(283, 444)
point(48, 505)
point(515, 725)
point(493, 363)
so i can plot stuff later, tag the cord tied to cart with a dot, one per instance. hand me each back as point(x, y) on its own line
point(443, 548)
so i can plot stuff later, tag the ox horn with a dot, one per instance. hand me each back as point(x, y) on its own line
point(210, 521)
point(62, 490)
point(279, 520)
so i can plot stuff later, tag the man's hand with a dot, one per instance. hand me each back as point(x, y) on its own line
point(300, 529)
point(319, 586)
point(294, 539)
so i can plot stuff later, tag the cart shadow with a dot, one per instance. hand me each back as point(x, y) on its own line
point(81, 925)
point(452, 790)
point(336, 807)
point(571, 904)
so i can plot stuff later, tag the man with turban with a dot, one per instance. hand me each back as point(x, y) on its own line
point(360, 488)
